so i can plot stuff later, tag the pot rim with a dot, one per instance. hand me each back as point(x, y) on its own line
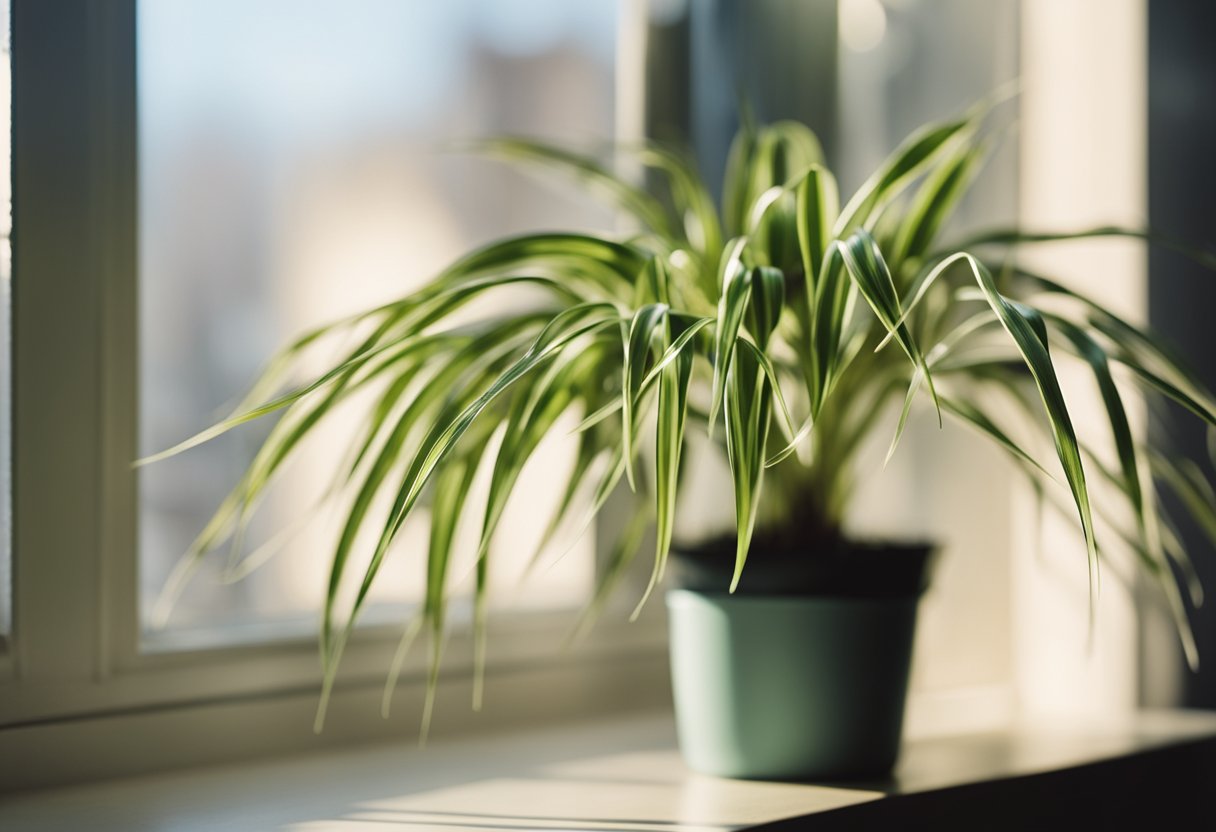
point(683, 596)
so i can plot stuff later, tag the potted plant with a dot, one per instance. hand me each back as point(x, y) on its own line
point(782, 325)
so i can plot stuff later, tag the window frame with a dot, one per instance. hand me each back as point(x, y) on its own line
point(75, 650)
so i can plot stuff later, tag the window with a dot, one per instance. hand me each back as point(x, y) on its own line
point(898, 67)
point(80, 662)
point(273, 155)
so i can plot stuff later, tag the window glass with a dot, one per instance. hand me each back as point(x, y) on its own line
point(297, 164)
point(902, 64)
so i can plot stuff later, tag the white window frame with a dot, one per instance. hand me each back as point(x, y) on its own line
point(75, 676)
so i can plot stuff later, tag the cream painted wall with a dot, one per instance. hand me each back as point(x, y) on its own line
point(1083, 163)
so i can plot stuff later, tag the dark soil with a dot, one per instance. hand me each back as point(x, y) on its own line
point(824, 567)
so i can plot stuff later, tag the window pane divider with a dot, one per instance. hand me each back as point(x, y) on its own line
point(68, 92)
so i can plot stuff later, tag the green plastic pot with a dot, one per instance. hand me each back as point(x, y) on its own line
point(788, 686)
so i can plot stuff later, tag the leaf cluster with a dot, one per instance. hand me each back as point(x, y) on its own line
point(782, 325)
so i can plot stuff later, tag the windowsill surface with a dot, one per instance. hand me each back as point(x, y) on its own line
point(624, 773)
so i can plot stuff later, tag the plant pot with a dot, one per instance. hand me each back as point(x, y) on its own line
point(794, 686)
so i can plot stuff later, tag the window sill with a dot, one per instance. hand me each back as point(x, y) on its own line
point(615, 669)
point(134, 683)
point(623, 773)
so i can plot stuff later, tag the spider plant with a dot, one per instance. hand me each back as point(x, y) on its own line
point(782, 324)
